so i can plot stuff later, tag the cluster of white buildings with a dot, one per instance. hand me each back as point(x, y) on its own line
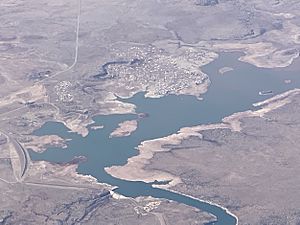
point(158, 70)
point(63, 91)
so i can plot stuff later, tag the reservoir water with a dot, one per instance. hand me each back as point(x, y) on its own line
point(231, 92)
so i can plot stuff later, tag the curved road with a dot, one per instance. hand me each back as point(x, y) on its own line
point(22, 155)
point(67, 69)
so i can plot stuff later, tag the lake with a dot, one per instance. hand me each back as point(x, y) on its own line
point(228, 93)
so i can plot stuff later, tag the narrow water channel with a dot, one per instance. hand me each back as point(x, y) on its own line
point(231, 92)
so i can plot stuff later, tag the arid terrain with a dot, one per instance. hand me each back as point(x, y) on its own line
point(248, 163)
point(67, 61)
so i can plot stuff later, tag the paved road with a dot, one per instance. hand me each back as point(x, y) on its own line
point(61, 186)
point(76, 47)
point(67, 69)
point(22, 153)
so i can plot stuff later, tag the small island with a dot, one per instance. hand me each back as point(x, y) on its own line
point(125, 129)
point(225, 70)
point(97, 127)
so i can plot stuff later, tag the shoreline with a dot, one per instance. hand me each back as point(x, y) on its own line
point(233, 122)
point(148, 148)
point(260, 54)
point(206, 201)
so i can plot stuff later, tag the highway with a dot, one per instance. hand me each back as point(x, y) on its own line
point(23, 156)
